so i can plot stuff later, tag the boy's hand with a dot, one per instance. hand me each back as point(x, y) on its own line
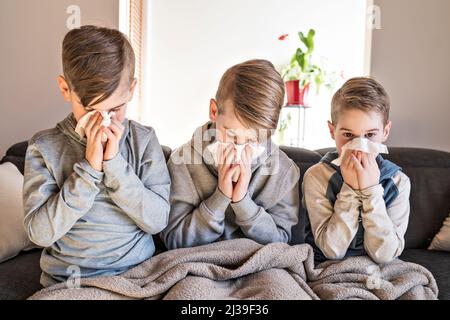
point(94, 147)
point(241, 187)
point(368, 171)
point(114, 133)
point(226, 170)
point(348, 169)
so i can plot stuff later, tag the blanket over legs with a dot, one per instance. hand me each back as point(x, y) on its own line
point(244, 269)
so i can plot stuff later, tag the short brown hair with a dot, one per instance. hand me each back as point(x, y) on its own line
point(256, 92)
point(361, 93)
point(94, 59)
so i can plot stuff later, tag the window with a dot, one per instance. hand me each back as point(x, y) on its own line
point(188, 45)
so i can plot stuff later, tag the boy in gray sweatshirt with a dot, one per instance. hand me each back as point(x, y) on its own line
point(96, 187)
point(230, 180)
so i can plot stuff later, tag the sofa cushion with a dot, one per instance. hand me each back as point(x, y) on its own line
point(13, 236)
point(19, 277)
point(441, 241)
point(438, 262)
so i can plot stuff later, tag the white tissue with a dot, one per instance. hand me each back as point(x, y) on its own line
point(361, 144)
point(257, 150)
point(106, 122)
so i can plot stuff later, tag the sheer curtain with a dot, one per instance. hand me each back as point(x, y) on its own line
point(132, 24)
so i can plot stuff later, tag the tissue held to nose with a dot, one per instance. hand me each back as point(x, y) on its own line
point(257, 150)
point(361, 144)
point(82, 123)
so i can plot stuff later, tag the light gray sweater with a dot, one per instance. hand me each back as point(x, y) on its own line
point(100, 222)
point(200, 213)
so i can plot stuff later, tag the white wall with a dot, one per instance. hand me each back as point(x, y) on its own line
point(31, 33)
point(411, 57)
point(191, 44)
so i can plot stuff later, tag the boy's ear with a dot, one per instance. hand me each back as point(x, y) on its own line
point(331, 128)
point(213, 110)
point(64, 88)
point(132, 88)
point(386, 131)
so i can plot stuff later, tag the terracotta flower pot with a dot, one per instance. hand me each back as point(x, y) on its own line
point(295, 94)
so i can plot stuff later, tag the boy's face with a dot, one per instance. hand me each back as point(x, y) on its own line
point(117, 102)
point(355, 123)
point(228, 127)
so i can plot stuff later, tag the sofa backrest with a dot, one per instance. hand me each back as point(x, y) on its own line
point(304, 159)
point(16, 155)
point(428, 170)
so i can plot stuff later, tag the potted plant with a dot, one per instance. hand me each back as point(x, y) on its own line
point(301, 72)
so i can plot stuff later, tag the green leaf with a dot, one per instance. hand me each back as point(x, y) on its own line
point(301, 59)
point(318, 80)
point(304, 40)
point(294, 58)
point(310, 40)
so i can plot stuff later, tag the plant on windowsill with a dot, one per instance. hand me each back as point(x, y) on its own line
point(301, 73)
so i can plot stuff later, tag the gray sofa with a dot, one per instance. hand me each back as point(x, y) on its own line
point(429, 171)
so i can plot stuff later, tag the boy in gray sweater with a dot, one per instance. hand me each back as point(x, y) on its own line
point(230, 180)
point(96, 186)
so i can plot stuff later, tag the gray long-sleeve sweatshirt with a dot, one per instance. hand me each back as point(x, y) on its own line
point(99, 222)
point(200, 213)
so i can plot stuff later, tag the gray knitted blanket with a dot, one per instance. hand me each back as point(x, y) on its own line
point(244, 269)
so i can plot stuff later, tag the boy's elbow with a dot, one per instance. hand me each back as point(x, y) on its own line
point(384, 251)
point(157, 223)
point(332, 253)
point(155, 228)
point(381, 259)
point(329, 251)
point(283, 236)
point(381, 256)
point(41, 243)
point(39, 240)
point(170, 240)
point(172, 245)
